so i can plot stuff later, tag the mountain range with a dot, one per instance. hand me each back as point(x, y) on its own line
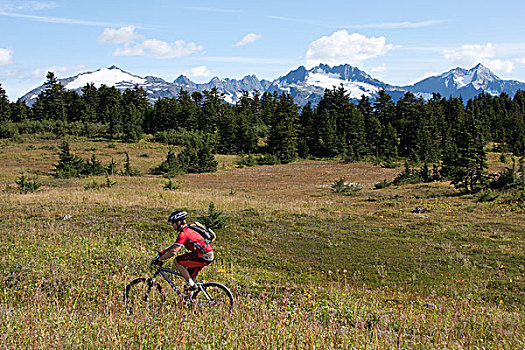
point(304, 85)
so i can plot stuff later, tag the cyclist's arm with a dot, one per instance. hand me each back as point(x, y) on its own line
point(171, 251)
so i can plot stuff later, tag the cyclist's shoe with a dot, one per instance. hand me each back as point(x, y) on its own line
point(189, 289)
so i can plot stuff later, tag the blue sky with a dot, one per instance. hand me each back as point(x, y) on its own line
point(398, 42)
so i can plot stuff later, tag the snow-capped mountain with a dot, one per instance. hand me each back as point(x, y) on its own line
point(155, 87)
point(466, 83)
point(302, 84)
point(309, 85)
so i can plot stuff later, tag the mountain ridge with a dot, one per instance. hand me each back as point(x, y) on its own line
point(305, 85)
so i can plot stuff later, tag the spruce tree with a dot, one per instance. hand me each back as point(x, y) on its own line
point(51, 101)
point(69, 165)
point(4, 106)
point(282, 141)
point(197, 156)
point(169, 167)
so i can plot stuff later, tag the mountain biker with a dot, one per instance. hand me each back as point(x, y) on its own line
point(190, 264)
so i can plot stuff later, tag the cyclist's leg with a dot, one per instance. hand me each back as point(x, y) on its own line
point(195, 270)
point(190, 265)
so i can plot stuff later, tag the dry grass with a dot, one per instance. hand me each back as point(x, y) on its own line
point(310, 268)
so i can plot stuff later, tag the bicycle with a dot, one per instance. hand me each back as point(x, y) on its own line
point(147, 291)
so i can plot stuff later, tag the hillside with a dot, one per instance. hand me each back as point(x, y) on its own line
point(308, 267)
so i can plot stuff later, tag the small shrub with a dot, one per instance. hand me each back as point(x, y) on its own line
point(247, 160)
point(128, 170)
point(93, 167)
point(109, 183)
point(214, 219)
point(69, 165)
point(267, 159)
point(9, 131)
point(93, 185)
point(382, 184)
point(340, 186)
point(170, 185)
point(111, 168)
point(48, 148)
point(169, 167)
point(410, 176)
point(390, 164)
point(26, 185)
point(197, 156)
point(507, 178)
point(487, 196)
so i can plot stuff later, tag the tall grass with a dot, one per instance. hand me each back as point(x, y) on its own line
point(309, 268)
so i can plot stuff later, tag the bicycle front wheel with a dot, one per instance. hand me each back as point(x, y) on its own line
point(213, 295)
point(143, 292)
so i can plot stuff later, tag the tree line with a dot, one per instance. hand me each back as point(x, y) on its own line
point(440, 129)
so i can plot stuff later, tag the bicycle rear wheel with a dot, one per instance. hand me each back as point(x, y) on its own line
point(213, 295)
point(143, 292)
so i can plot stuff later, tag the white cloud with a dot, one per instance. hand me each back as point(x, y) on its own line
point(133, 45)
point(6, 56)
point(500, 66)
point(121, 35)
point(199, 72)
point(40, 73)
point(158, 49)
point(60, 20)
point(469, 55)
point(248, 39)
point(521, 60)
point(395, 25)
point(341, 48)
point(378, 69)
point(27, 5)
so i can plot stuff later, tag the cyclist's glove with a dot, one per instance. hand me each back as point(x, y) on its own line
point(156, 261)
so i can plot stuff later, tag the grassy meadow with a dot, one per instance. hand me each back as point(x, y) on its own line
point(309, 268)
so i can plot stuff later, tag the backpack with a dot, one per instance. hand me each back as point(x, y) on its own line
point(206, 233)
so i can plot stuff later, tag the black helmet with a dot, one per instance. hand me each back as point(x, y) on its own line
point(177, 215)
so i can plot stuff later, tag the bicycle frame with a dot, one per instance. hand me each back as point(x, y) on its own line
point(163, 272)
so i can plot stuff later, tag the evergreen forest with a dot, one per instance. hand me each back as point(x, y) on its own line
point(445, 131)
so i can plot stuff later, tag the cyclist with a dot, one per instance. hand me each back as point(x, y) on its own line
point(190, 264)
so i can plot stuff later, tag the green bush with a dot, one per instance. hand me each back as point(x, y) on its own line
point(170, 185)
point(382, 184)
point(197, 156)
point(268, 159)
point(69, 165)
point(93, 167)
point(169, 167)
point(9, 131)
point(214, 219)
point(128, 169)
point(340, 186)
point(26, 185)
point(247, 160)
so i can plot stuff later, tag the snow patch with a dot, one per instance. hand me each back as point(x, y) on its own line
point(108, 77)
point(463, 80)
point(328, 81)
